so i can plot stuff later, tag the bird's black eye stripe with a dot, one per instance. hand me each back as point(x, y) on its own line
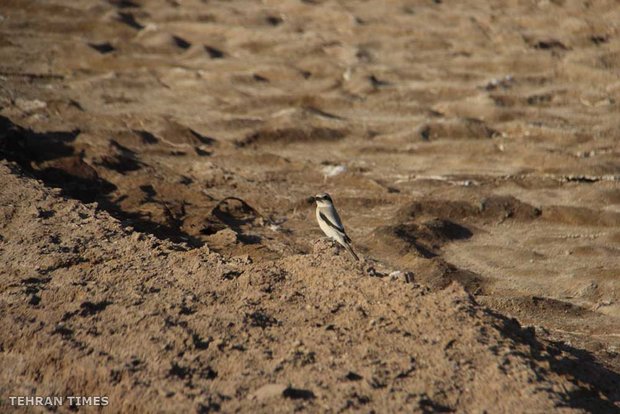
point(323, 198)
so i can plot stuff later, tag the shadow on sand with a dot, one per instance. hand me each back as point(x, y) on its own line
point(51, 158)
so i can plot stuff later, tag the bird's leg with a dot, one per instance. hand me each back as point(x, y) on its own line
point(328, 239)
point(335, 245)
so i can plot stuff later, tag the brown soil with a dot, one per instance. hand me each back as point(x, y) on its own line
point(168, 257)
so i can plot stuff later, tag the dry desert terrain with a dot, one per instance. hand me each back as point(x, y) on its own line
point(158, 244)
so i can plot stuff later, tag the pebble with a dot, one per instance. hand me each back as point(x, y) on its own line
point(29, 105)
point(268, 391)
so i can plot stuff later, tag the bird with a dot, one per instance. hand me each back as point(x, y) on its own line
point(330, 223)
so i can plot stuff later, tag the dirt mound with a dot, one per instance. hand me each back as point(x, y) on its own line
point(200, 332)
point(467, 128)
point(487, 208)
point(292, 135)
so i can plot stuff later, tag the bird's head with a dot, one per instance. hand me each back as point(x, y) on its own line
point(323, 200)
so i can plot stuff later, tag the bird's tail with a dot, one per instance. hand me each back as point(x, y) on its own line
point(350, 250)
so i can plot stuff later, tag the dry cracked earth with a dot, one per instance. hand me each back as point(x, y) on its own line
point(157, 237)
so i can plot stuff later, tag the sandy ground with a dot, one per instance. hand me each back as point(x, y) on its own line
point(168, 256)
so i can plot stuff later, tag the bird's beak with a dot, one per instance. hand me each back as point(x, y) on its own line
point(311, 199)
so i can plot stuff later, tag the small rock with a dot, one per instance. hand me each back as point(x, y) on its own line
point(333, 170)
point(137, 236)
point(29, 106)
point(226, 237)
point(268, 391)
point(399, 276)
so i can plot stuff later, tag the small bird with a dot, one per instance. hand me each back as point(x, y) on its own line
point(330, 223)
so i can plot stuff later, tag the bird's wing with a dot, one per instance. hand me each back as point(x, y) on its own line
point(334, 222)
point(331, 222)
point(331, 214)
